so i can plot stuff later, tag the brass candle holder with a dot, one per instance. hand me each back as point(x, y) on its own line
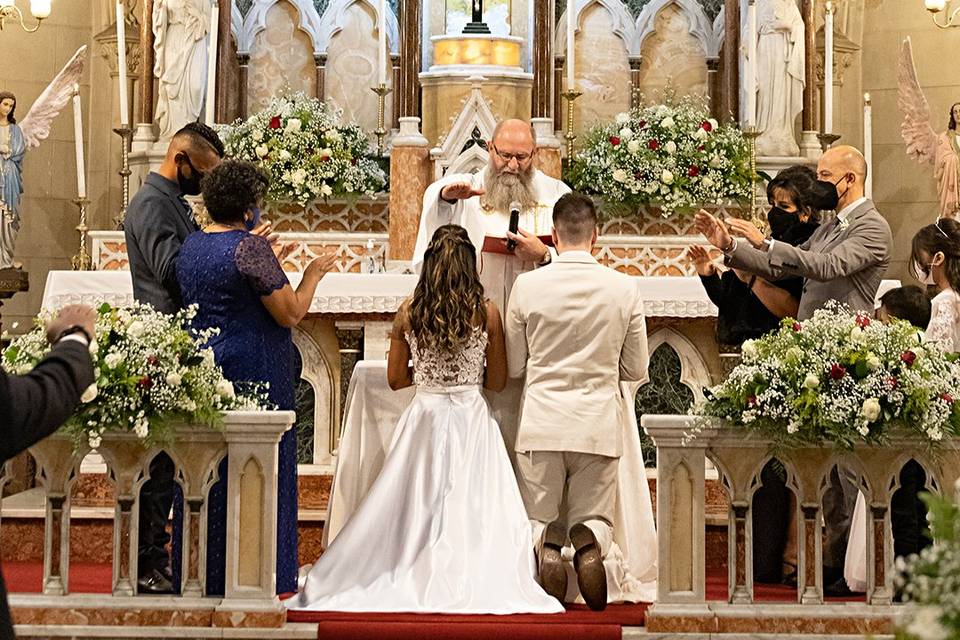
point(381, 131)
point(82, 261)
point(570, 95)
point(126, 136)
point(751, 133)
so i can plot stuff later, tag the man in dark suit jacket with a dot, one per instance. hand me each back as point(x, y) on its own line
point(35, 405)
point(158, 221)
point(843, 260)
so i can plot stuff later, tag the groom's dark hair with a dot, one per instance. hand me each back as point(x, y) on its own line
point(574, 218)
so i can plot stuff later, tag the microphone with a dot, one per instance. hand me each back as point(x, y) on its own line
point(514, 223)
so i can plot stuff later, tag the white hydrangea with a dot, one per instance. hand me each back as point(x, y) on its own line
point(622, 118)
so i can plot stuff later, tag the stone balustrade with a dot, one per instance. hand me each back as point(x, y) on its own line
point(249, 439)
point(682, 604)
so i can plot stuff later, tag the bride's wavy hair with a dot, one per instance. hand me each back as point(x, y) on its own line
point(448, 302)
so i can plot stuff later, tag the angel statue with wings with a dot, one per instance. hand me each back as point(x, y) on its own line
point(923, 143)
point(16, 138)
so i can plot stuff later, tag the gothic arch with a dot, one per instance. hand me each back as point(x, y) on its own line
point(317, 373)
point(335, 17)
point(693, 370)
point(623, 25)
point(701, 27)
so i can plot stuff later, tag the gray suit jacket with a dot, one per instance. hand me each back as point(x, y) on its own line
point(158, 221)
point(837, 264)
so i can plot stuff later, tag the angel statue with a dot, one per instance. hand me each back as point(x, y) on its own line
point(16, 138)
point(180, 42)
point(923, 143)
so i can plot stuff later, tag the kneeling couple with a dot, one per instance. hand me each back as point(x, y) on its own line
point(445, 527)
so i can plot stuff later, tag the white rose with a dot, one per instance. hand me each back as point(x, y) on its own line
point(174, 379)
point(667, 123)
point(262, 151)
point(257, 135)
point(124, 316)
point(811, 381)
point(293, 125)
point(89, 394)
point(700, 133)
point(225, 389)
point(706, 181)
point(794, 354)
point(285, 155)
point(633, 146)
point(620, 175)
point(715, 161)
point(298, 176)
point(135, 329)
point(670, 147)
point(749, 349)
point(333, 135)
point(856, 334)
point(623, 118)
point(142, 428)
point(666, 177)
point(93, 441)
point(870, 409)
point(713, 124)
point(113, 359)
point(626, 133)
point(326, 191)
point(873, 362)
point(326, 151)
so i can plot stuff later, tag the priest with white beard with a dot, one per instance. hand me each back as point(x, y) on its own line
point(481, 204)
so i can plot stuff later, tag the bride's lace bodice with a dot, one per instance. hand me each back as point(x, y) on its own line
point(436, 368)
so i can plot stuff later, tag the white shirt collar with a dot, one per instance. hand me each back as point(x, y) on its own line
point(844, 213)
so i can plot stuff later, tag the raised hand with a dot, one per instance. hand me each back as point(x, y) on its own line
point(701, 259)
point(460, 191)
point(748, 230)
point(714, 230)
point(321, 266)
point(529, 247)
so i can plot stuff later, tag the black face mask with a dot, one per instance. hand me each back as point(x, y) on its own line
point(780, 221)
point(825, 196)
point(189, 186)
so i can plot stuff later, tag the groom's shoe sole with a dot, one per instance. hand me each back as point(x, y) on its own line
point(553, 573)
point(591, 575)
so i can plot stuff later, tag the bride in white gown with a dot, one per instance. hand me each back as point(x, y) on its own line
point(443, 528)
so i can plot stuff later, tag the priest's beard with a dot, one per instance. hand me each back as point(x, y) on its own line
point(505, 187)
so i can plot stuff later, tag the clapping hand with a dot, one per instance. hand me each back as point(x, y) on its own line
point(748, 230)
point(460, 191)
point(701, 259)
point(321, 266)
point(265, 230)
point(714, 230)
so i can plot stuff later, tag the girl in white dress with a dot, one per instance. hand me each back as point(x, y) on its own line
point(936, 262)
point(443, 528)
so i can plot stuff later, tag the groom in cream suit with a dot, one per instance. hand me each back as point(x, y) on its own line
point(576, 329)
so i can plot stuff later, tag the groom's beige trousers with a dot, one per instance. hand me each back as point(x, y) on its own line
point(585, 483)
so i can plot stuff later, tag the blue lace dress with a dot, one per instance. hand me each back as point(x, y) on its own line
point(226, 274)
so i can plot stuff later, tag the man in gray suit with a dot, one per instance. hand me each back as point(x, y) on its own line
point(843, 260)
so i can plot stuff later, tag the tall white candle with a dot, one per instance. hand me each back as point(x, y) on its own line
point(382, 44)
point(212, 63)
point(571, 37)
point(78, 142)
point(828, 69)
point(751, 66)
point(122, 63)
point(868, 143)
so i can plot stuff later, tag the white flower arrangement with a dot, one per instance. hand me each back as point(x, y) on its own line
point(150, 371)
point(840, 377)
point(673, 155)
point(305, 149)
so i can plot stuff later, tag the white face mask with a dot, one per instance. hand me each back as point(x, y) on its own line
point(924, 275)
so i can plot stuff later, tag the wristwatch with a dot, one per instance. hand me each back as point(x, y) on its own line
point(69, 331)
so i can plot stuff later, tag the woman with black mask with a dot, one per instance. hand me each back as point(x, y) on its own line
point(748, 306)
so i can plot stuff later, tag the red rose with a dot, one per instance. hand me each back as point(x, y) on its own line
point(614, 140)
point(701, 148)
point(324, 158)
point(908, 358)
point(751, 401)
point(837, 372)
point(863, 321)
point(693, 171)
point(145, 382)
point(797, 326)
point(152, 361)
point(946, 397)
point(706, 126)
point(643, 123)
point(275, 122)
point(892, 382)
point(653, 145)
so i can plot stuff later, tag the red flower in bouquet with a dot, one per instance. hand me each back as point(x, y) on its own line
point(145, 382)
point(946, 397)
point(706, 126)
point(863, 321)
point(908, 358)
point(275, 122)
point(837, 371)
point(653, 145)
point(693, 171)
point(614, 140)
point(797, 326)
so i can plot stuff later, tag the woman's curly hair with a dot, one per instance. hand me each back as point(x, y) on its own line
point(448, 303)
point(231, 188)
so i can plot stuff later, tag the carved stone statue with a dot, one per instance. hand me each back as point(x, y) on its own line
point(780, 76)
point(16, 138)
point(923, 143)
point(180, 41)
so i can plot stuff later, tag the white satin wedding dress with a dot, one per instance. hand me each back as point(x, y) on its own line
point(443, 528)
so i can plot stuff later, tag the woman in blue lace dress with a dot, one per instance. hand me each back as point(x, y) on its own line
point(239, 286)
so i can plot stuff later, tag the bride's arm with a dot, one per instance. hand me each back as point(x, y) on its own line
point(399, 372)
point(495, 376)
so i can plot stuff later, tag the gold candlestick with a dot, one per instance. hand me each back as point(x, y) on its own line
point(81, 261)
point(751, 133)
point(126, 136)
point(381, 131)
point(570, 95)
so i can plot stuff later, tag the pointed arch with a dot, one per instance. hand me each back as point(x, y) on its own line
point(701, 27)
point(623, 23)
point(335, 17)
point(318, 373)
point(694, 373)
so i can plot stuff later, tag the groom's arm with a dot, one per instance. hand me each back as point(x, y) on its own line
point(634, 357)
point(515, 328)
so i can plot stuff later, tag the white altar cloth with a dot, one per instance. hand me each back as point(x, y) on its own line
point(371, 413)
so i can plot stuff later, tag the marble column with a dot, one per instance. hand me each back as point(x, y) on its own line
point(809, 576)
point(559, 113)
point(320, 62)
point(147, 96)
point(635, 62)
point(224, 61)
point(730, 104)
point(243, 59)
point(713, 87)
point(410, 58)
point(741, 556)
point(411, 171)
point(809, 143)
point(880, 593)
point(542, 49)
point(123, 526)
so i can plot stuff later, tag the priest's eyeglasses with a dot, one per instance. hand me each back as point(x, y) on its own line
point(507, 157)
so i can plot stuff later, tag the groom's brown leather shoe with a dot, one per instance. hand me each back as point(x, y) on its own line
point(553, 574)
point(591, 576)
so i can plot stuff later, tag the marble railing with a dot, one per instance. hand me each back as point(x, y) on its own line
point(682, 599)
point(250, 440)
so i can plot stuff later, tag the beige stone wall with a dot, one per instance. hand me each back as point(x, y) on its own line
point(47, 238)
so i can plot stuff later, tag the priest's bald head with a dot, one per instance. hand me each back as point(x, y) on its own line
point(846, 168)
point(510, 169)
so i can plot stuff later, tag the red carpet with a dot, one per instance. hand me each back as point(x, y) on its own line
point(27, 577)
